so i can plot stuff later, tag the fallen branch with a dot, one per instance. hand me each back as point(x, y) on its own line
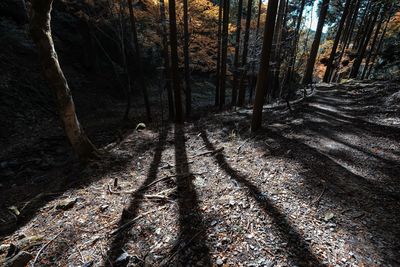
point(129, 223)
point(213, 152)
point(44, 247)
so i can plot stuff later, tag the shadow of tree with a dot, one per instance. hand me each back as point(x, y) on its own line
point(298, 250)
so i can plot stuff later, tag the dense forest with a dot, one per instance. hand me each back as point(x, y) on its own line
point(199, 133)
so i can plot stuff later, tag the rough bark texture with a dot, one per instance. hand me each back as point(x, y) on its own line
point(378, 49)
point(174, 62)
point(167, 69)
point(188, 89)
point(218, 72)
point(308, 75)
point(241, 96)
point(264, 65)
point(237, 48)
point(329, 66)
point(40, 30)
point(224, 53)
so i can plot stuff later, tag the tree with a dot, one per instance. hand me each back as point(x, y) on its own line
point(40, 30)
point(237, 48)
point(188, 89)
point(224, 53)
point(138, 60)
point(174, 62)
point(308, 75)
point(242, 93)
point(167, 69)
point(264, 65)
point(332, 55)
point(217, 80)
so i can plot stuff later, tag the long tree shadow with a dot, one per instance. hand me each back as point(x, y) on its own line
point(192, 240)
point(298, 250)
point(122, 236)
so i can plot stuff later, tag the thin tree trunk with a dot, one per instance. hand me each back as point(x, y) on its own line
point(188, 88)
point(363, 47)
point(258, 17)
point(308, 75)
point(363, 27)
point(241, 97)
point(264, 65)
point(40, 29)
point(293, 54)
point(373, 43)
point(218, 72)
point(378, 49)
point(174, 62)
point(138, 59)
point(332, 55)
point(224, 53)
point(237, 48)
point(167, 69)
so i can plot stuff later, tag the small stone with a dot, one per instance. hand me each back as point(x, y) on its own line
point(140, 126)
point(103, 208)
point(66, 204)
point(219, 262)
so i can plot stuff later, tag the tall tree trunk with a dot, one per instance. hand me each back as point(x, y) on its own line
point(264, 65)
point(188, 88)
point(237, 48)
point(258, 17)
point(373, 43)
point(138, 60)
point(224, 53)
point(176, 83)
point(308, 75)
point(167, 69)
point(332, 55)
point(363, 47)
point(218, 72)
point(242, 88)
point(40, 29)
point(378, 49)
point(293, 54)
point(362, 28)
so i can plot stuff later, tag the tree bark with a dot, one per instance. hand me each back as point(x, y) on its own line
point(237, 48)
point(224, 53)
point(328, 70)
point(167, 69)
point(264, 65)
point(241, 97)
point(188, 88)
point(308, 75)
point(174, 62)
point(218, 72)
point(40, 30)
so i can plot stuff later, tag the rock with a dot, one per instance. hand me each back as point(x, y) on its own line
point(103, 208)
point(66, 204)
point(122, 259)
point(219, 262)
point(19, 260)
point(140, 126)
point(328, 216)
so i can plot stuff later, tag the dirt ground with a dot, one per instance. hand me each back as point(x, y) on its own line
point(316, 187)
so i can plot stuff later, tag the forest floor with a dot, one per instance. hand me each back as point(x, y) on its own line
point(318, 186)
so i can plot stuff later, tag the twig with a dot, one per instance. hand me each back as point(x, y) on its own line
point(179, 249)
point(318, 199)
point(213, 152)
point(245, 141)
point(43, 247)
point(129, 223)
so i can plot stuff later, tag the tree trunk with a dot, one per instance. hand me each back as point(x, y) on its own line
point(138, 60)
point(264, 65)
point(174, 62)
point(363, 47)
point(293, 54)
point(332, 55)
point(40, 29)
point(167, 69)
point(188, 88)
point(242, 88)
point(374, 39)
point(218, 72)
point(258, 17)
point(378, 49)
point(308, 75)
point(224, 53)
point(237, 48)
